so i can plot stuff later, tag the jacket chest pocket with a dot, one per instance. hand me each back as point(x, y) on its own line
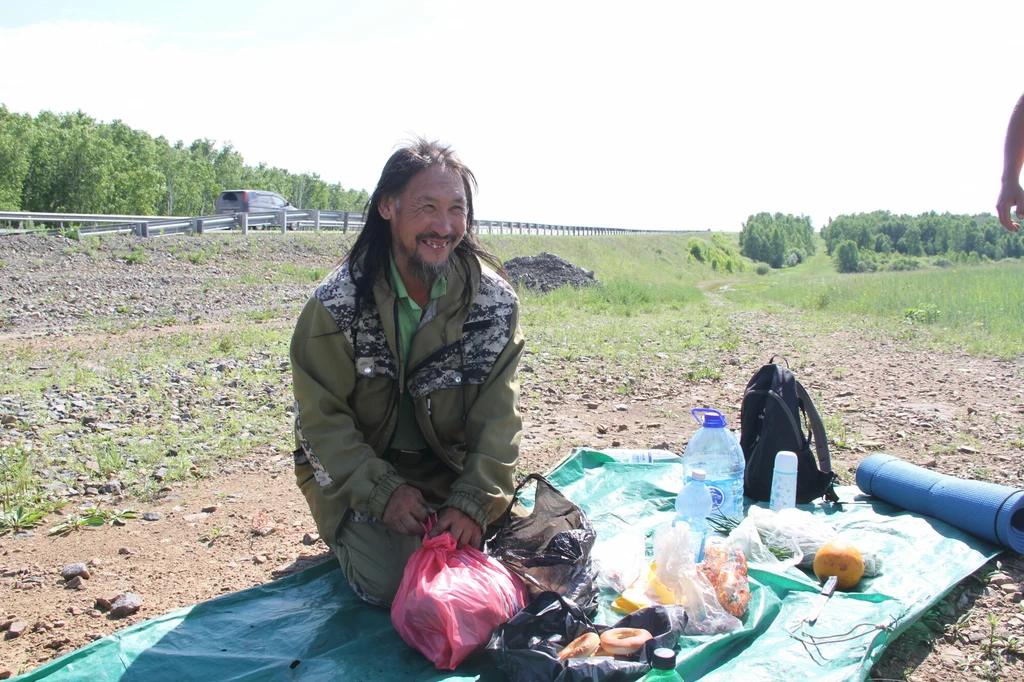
point(483, 340)
point(374, 391)
point(444, 411)
point(464, 363)
point(371, 367)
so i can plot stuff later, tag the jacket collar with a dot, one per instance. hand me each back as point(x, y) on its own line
point(463, 283)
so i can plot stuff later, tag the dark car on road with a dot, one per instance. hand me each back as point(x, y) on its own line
point(251, 201)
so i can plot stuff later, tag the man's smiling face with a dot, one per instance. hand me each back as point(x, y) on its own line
point(428, 220)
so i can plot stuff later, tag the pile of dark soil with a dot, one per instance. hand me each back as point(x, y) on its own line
point(546, 272)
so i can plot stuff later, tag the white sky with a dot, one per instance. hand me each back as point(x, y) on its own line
point(674, 115)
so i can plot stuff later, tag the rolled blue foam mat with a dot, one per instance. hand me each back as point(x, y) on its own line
point(990, 511)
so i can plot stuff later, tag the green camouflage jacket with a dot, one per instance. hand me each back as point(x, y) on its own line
point(462, 376)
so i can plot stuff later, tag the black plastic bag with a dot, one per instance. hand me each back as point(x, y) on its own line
point(526, 648)
point(550, 548)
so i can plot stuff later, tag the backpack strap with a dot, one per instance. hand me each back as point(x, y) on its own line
point(820, 438)
point(793, 418)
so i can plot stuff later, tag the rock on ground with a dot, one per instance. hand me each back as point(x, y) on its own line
point(74, 570)
point(125, 605)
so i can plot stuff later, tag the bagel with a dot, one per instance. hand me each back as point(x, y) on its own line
point(624, 641)
point(583, 646)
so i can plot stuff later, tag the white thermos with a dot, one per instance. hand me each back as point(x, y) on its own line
point(784, 481)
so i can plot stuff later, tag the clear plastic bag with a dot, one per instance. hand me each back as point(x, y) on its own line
point(806, 532)
point(775, 550)
point(450, 600)
point(620, 560)
point(725, 567)
point(803, 528)
point(676, 571)
point(673, 551)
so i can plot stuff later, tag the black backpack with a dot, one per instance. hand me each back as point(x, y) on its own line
point(774, 408)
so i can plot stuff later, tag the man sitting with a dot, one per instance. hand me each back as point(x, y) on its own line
point(404, 369)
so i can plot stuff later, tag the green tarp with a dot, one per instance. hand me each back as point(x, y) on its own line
point(310, 626)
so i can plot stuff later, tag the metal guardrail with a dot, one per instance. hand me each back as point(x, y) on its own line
point(153, 226)
point(295, 220)
point(78, 217)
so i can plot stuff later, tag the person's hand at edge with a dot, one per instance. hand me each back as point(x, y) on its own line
point(406, 511)
point(464, 529)
point(1012, 194)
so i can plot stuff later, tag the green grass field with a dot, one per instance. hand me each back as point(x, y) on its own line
point(652, 279)
point(657, 308)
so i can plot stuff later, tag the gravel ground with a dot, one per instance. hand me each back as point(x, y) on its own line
point(547, 271)
point(247, 523)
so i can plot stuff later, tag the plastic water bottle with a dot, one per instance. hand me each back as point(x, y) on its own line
point(715, 449)
point(693, 505)
point(663, 667)
point(641, 456)
point(784, 481)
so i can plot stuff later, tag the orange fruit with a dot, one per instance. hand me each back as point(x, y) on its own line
point(841, 559)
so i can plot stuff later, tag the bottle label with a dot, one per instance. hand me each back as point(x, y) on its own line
point(717, 496)
point(726, 496)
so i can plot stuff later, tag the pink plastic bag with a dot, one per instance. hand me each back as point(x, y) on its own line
point(451, 599)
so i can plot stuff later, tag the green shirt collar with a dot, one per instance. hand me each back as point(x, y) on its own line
point(439, 288)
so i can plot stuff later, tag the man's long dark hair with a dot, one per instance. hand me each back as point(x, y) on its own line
point(369, 254)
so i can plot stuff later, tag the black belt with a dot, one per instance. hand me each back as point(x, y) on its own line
point(408, 458)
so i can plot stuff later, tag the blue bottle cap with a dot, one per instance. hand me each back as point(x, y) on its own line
point(713, 419)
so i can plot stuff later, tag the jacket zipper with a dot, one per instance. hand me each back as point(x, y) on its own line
point(401, 377)
point(462, 370)
point(433, 356)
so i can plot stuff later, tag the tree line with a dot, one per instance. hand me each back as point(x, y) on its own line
point(778, 240)
point(865, 242)
point(70, 163)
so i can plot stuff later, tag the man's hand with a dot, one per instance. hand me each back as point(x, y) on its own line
point(406, 510)
point(1011, 195)
point(464, 529)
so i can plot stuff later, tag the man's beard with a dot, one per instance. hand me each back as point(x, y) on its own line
point(427, 273)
